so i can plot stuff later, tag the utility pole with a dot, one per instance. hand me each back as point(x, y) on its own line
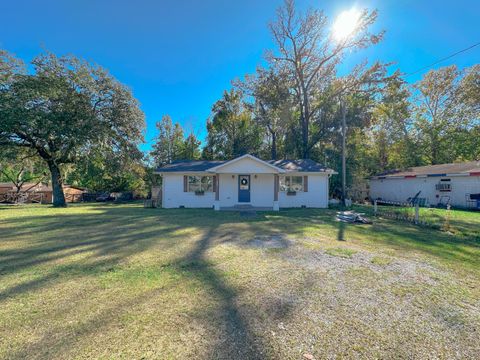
point(344, 165)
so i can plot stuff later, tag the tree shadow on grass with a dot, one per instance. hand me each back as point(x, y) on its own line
point(240, 342)
point(341, 231)
point(84, 238)
point(101, 250)
point(103, 243)
point(108, 238)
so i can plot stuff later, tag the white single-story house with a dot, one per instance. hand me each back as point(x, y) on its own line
point(245, 182)
point(457, 184)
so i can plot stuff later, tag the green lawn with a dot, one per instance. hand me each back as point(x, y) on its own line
point(120, 281)
point(462, 223)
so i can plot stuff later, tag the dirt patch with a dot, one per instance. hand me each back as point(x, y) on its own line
point(339, 260)
point(393, 300)
point(279, 241)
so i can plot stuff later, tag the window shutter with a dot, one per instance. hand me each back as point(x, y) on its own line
point(185, 183)
point(214, 183)
point(305, 183)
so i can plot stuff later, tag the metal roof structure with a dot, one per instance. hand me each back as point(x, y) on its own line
point(470, 168)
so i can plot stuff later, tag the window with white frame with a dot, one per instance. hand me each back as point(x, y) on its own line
point(200, 183)
point(291, 183)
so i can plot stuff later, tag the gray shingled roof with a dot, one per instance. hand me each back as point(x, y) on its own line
point(454, 168)
point(306, 165)
point(190, 165)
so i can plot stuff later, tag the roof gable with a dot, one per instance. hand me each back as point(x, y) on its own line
point(246, 163)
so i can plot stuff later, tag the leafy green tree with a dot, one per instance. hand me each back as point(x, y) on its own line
point(191, 147)
point(392, 134)
point(21, 166)
point(169, 144)
point(446, 109)
point(231, 130)
point(107, 170)
point(466, 140)
point(63, 109)
point(272, 105)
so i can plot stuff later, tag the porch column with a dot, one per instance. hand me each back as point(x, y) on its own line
point(276, 206)
point(216, 204)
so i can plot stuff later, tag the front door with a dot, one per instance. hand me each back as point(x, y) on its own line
point(244, 188)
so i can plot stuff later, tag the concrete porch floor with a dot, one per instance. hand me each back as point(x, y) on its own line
point(245, 208)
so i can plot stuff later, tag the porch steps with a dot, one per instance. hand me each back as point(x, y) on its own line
point(243, 207)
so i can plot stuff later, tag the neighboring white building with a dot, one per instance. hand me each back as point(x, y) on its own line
point(456, 184)
point(245, 182)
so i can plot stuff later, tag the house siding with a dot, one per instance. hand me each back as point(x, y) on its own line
point(401, 189)
point(315, 197)
point(174, 196)
point(228, 190)
point(262, 192)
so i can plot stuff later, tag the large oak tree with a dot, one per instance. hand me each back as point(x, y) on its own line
point(309, 53)
point(64, 108)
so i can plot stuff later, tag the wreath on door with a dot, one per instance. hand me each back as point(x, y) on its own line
point(244, 181)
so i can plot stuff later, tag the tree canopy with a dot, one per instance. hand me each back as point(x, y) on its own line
point(171, 144)
point(65, 108)
point(231, 129)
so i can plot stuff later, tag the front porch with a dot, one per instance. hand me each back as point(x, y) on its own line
point(246, 183)
point(247, 191)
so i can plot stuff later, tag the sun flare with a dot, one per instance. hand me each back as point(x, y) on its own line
point(345, 24)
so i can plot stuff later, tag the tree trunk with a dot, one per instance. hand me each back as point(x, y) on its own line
point(57, 185)
point(305, 148)
point(274, 145)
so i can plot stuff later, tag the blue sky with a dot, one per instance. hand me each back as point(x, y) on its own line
point(179, 56)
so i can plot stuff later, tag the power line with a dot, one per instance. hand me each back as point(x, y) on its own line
point(441, 60)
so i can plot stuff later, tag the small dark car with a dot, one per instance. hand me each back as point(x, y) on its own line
point(104, 197)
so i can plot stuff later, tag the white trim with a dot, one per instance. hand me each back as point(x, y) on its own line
point(457, 174)
point(214, 169)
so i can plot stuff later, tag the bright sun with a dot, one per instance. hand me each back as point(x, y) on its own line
point(345, 24)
